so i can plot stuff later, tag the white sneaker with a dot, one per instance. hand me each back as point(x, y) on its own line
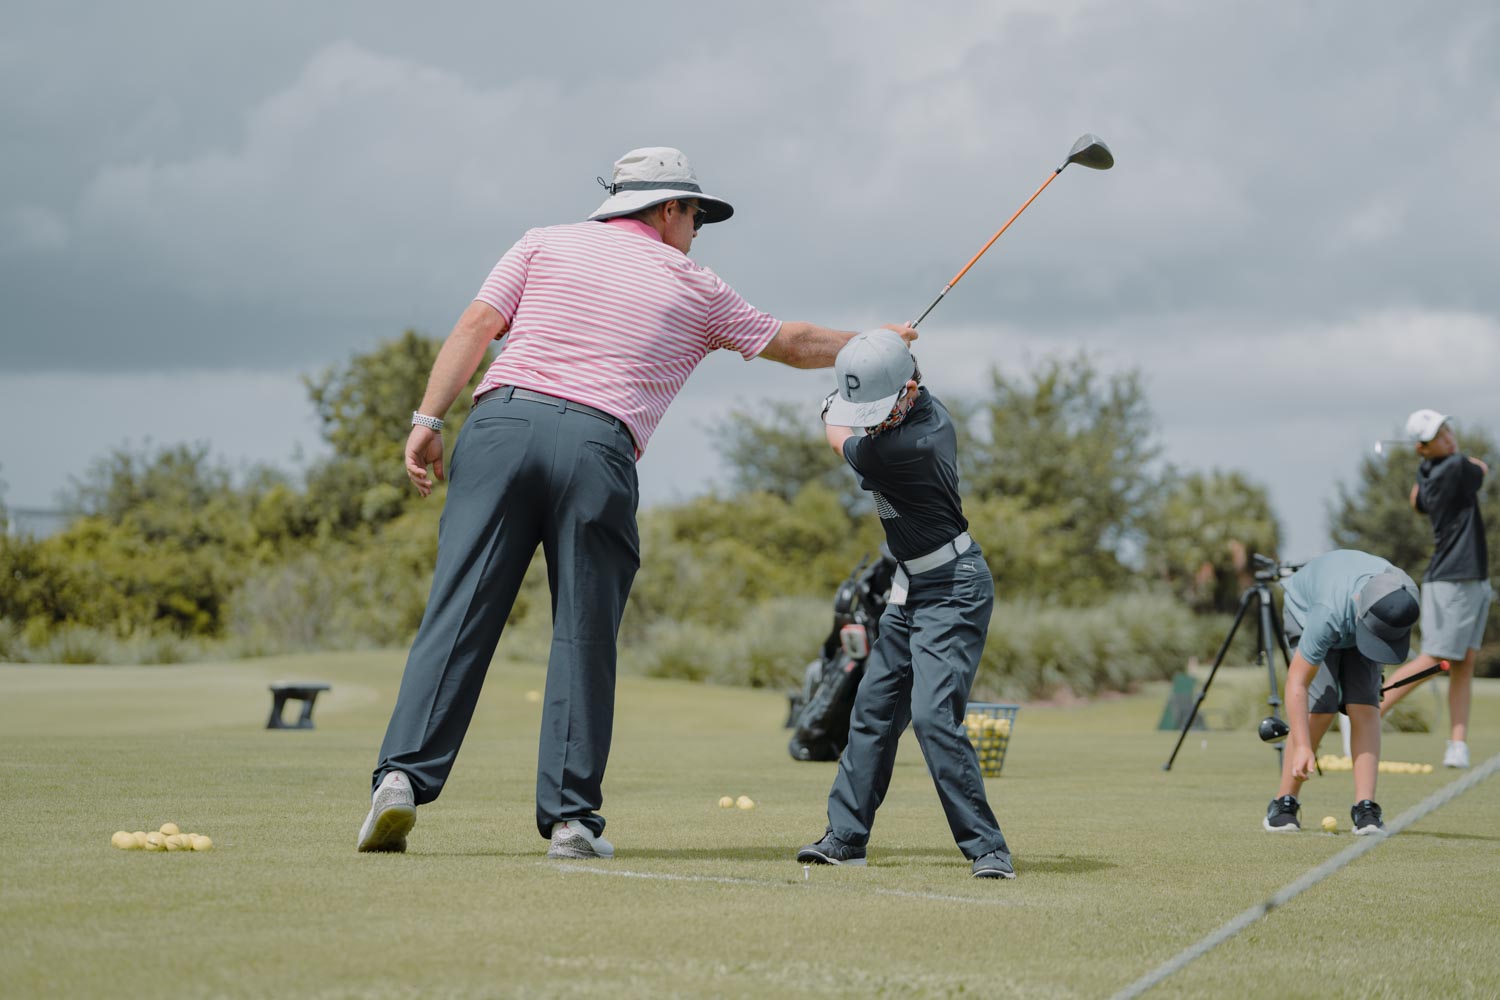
point(1457, 754)
point(574, 840)
point(393, 812)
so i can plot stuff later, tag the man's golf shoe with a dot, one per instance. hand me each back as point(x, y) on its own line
point(393, 812)
point(574, 840)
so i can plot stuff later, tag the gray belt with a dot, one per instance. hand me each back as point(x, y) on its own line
point(509, 392)
point(940, 556)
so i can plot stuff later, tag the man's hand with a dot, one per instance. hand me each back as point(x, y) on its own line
point(907, 332)
point(424, 447)
point(1304, 762)
point(1482, 467)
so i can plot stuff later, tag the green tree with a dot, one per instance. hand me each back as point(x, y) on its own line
point(365, 407)
point(1203, 531)
point(1079, 445)
point(779, 448)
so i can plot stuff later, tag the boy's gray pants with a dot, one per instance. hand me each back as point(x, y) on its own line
point(920, 671)
point(525, 473)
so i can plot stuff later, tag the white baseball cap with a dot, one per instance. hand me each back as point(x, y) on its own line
point(1423, 425)
point(651, 175)
point(872, 370)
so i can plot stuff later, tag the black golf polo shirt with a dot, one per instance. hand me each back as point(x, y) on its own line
point(912, 469)
point(1448, 492)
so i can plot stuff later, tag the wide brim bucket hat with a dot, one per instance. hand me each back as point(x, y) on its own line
point(651, 175)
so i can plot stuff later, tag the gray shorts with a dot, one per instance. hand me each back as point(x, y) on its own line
point(1346, 677)
point(1453, 617)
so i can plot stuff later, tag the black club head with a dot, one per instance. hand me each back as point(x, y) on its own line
point(1090, 151)
point(1273, 729)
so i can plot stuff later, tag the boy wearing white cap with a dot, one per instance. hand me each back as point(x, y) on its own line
point(934, 626)
point(1346, 613)
point(1456, 587)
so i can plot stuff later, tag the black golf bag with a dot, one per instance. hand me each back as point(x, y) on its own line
point(820, 711)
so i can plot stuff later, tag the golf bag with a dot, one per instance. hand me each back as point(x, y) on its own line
point(820, 711)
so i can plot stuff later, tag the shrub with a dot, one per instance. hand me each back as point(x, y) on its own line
point(1043, 651)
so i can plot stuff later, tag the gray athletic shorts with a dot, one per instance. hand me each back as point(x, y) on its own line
point(1346, 677)
point(1453, 617)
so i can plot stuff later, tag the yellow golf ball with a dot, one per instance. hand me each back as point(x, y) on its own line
point(140, 838)
point(201, 843)
point(124, 840)
point(745, 802)
point(1330, 825)
point(725, 802)
point(169, 829)
point(155, 842)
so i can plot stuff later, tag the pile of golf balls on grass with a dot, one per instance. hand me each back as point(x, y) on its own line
point(168, 838)
point(1333, 762)
point(743, 802)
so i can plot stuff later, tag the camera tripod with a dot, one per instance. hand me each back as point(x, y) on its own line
point(1269, 637)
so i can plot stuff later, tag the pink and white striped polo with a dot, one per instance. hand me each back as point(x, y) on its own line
point(606, 314)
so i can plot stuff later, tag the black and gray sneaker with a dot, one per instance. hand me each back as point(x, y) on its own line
point(1366, 816)
point(995, 864)
point(1281, 815)
point(831, 851)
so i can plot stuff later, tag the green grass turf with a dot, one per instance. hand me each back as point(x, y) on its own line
point(1121, 865)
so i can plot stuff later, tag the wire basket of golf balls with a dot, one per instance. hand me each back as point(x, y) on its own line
point(989, 727)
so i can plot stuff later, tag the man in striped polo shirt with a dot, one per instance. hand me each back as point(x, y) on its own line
point(603, 322)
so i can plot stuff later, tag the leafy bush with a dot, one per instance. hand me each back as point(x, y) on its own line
point(1044, 651)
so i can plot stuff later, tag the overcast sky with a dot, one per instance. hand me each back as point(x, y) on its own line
point(1298, 245)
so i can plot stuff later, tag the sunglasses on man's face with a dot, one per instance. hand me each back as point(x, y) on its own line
point(700, 215)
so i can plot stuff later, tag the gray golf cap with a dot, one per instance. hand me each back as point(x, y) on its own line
point(1388, 608)
point(871, 369)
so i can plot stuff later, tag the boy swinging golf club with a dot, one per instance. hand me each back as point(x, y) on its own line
point(933, 629)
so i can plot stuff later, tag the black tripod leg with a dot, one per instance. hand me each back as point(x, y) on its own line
point(1239, 616)
point(1269, 640)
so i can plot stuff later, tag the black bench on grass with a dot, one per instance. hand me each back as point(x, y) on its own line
point(303, 691)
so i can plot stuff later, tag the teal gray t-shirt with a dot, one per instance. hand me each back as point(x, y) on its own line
point(1319, 600)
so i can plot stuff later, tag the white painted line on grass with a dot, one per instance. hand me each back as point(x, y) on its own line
point(946, 899)
point(659, 876)
point(727, 880)
point(1362, 845)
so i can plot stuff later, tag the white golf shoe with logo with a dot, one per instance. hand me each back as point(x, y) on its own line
point(574, 840)
point(393, 812)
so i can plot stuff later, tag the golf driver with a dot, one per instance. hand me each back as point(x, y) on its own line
point(1440, 667)
point(1089, 151)
point(1273, 729)
point(1383, 446)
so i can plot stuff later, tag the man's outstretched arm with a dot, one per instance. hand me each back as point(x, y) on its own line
point(806, 345)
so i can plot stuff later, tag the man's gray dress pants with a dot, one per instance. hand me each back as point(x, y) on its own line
point(523, 474)
point(920, 672)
